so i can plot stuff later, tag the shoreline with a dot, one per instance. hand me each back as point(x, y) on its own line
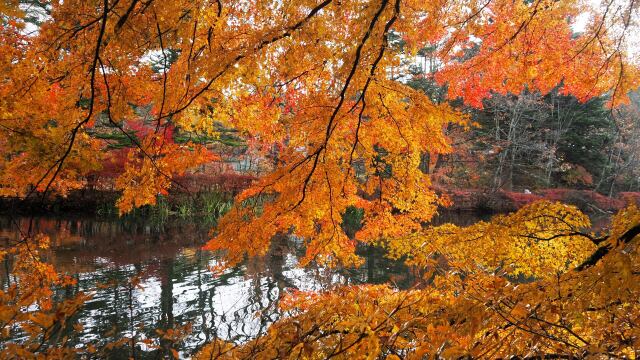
point(202, 203)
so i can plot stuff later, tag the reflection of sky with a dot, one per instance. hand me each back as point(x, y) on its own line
point(234, 302)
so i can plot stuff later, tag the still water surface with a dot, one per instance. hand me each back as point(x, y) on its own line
point(174, 284)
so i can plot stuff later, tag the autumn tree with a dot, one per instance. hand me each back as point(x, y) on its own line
point(532, 284)
point(318, 80)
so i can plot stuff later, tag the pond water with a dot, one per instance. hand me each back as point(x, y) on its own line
point(174, 284)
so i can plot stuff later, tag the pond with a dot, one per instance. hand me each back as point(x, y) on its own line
point(147, 276)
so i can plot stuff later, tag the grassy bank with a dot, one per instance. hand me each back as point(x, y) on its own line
point(103, 204)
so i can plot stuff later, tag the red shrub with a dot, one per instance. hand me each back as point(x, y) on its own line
point(630, 197)
point(584, 199)
point(521, 199)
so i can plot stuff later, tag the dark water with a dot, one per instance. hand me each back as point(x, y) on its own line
point(176, 286)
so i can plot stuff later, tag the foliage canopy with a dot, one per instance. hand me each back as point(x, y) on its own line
point(323, 82)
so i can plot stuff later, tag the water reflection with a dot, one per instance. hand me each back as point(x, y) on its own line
point(147, 277)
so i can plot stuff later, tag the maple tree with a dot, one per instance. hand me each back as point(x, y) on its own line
point(316, 79)
point(581, 305)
